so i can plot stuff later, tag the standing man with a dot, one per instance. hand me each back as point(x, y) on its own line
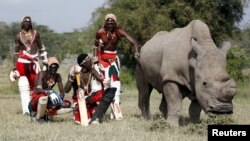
point(105, 49)
point(25, 65)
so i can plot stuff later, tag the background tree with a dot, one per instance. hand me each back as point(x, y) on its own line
point(142, 19)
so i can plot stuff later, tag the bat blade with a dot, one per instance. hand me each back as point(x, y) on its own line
point(82, 108)
point(116, 111)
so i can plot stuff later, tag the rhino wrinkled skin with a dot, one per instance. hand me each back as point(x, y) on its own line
point(185, 63)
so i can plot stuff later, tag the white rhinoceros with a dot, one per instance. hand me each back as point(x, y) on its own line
point(185, 63)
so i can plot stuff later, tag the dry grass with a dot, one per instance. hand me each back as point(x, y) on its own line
point(15, 126)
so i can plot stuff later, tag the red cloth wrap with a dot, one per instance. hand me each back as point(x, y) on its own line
point(106, 58)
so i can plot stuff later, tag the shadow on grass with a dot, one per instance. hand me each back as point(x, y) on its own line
point(158, 123)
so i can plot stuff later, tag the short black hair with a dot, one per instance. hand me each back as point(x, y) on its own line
point(81, 57)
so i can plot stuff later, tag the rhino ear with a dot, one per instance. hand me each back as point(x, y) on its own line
point(225, 47)
point(197, 48)
point(192, 63)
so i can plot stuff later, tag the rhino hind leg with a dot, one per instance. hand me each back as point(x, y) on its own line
point(144, 90)
point(195, 111)
point(163, 107)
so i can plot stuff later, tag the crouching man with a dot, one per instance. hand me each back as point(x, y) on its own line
point(92, 83)
point(84, 72)
point(45, 101)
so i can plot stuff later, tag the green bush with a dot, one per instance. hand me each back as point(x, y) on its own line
point(126, 76)
point(236, 61)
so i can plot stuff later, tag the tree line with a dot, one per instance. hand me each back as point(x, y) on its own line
point(141, 19)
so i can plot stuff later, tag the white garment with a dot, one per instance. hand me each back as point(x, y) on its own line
point(24, 90)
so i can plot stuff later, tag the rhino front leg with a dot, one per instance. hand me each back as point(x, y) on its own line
point(144, 90)
point(174, 102)
point(194, 111)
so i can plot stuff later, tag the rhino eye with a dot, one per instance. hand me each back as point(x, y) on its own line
point(225, 79)
point(204, 83)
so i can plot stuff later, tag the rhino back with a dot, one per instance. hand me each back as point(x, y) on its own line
point(151, 58)
point(165, 56)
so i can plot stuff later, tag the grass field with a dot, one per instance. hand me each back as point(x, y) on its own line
point(16, 127)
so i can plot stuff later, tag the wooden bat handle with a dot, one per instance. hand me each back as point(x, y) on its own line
point(78, 79)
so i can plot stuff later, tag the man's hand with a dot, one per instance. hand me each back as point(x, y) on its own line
point(80, 93)
point(14, 75)
point(44, 57)
point(54, 99)
point(137, 58)
point(99, 43)
point(94, 60)
point(106, 83)
point(137, 55)
point(52, 95)
point(75, 69)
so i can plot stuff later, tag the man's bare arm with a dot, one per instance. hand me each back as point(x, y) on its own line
point(68, 84)
point(131, 41)
point(60, 86)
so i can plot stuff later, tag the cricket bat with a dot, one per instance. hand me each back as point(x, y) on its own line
point(116, 111)
point(82, 103)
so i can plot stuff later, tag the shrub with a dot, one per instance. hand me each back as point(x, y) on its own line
point(236, 61)
point(126, 76)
